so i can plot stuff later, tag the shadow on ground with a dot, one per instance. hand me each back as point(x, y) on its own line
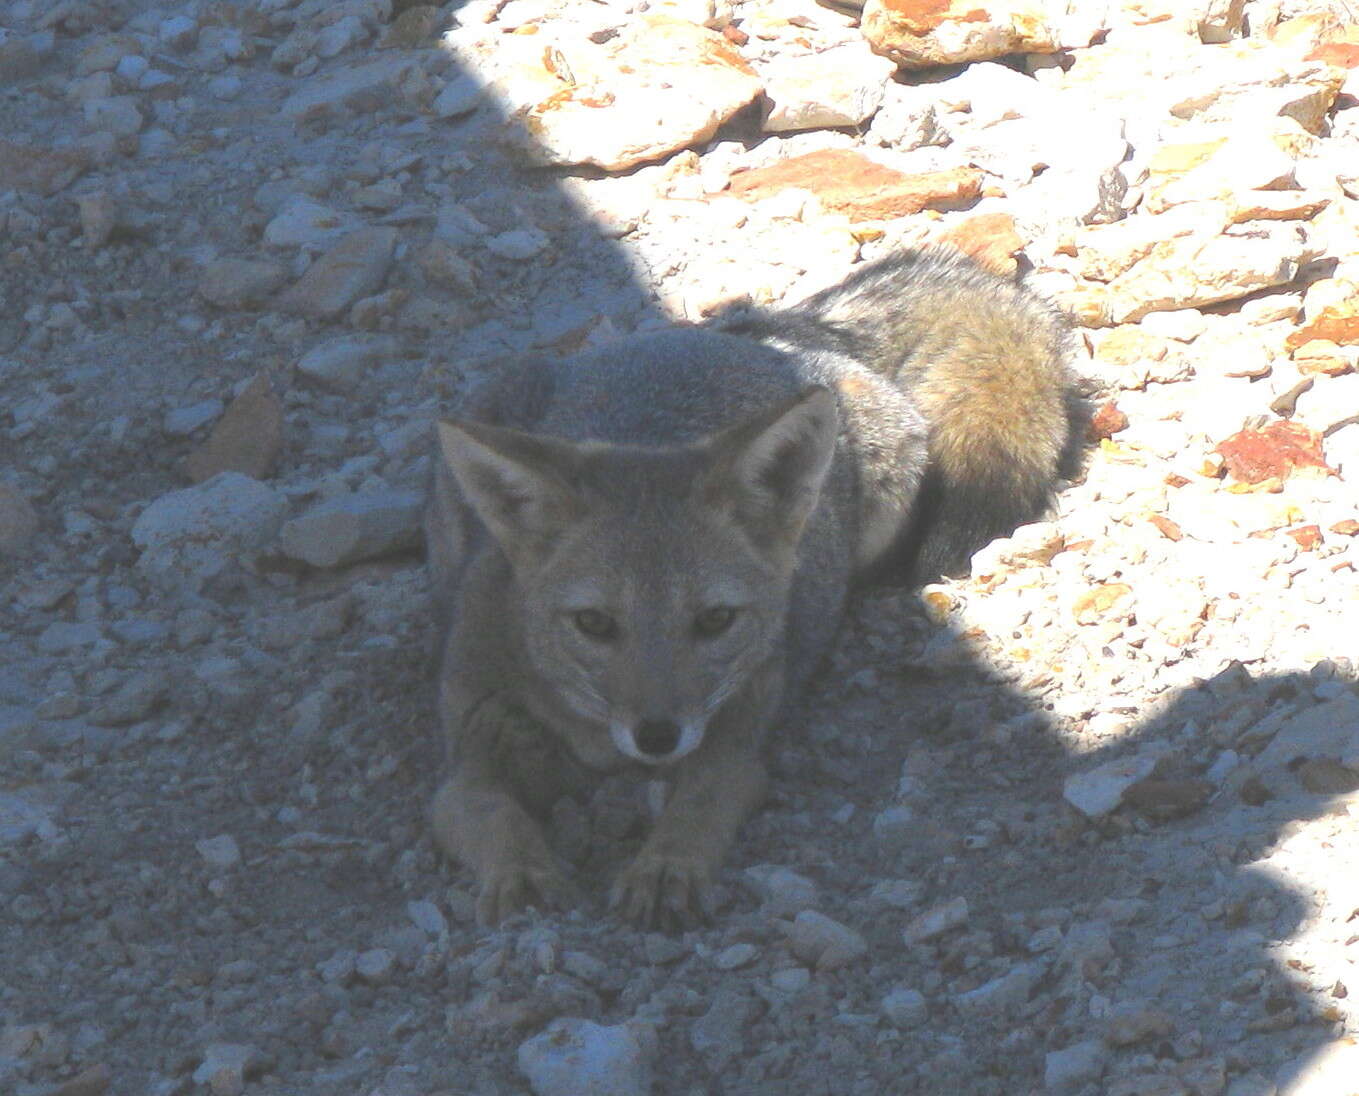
point(1165, 932)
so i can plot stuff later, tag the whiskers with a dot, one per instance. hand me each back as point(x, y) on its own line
point(584, 698)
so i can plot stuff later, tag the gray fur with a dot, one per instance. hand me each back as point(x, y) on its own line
point(766, 461)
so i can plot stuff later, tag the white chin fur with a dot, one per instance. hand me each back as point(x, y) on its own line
point(690, 736)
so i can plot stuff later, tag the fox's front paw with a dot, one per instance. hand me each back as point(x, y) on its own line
point(665, 890)
point(511, 887)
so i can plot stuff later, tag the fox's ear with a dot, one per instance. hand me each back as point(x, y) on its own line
point(769, 469)
point(519, 484)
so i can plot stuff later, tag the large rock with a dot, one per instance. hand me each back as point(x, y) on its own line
point(350, 528)
point(990, 239)
point(247, 438)
point(39, 171)
point(1103, 252)
point(304, 222)
point(1100, 790)
point(575, 1057)
point(1328, 731)
point(359, 87)
point(922, 33)
point(355, 267)
point(841, 86)
point(24, 56)
point(1304, 91)
point(1217, 168)
point(848, 182)
point(338, 365)
point(192, 535)
point(240, 283)
point(660, 85)
point(115, 114)
point(823, 942)
point(1194, 270)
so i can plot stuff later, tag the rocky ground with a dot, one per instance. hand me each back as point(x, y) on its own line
point(1082, 822)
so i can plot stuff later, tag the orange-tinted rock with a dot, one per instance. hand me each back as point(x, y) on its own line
point(922, 33)
point(1274, 452)
point(1337, 323)
point(989, 238)
point(1347, 528)
point(1322, 356)
point(1338, 46)
point(1305, 31)
point(1097, 603)
point(247, 438)
point(850, 183)
point(1341, 54)
point(1106, 422)
point(1276, 205)
point(661, 85)
point(1308, 537)
point(1129, 344)
point(1168, 528)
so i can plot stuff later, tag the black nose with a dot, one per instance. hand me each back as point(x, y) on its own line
point(656, 737)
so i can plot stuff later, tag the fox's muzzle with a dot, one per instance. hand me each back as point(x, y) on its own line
point(656, 741)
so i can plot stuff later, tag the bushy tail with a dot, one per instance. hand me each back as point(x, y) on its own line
point(962, 508)
point(987, 364)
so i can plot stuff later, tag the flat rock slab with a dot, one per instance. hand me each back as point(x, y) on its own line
point(841, 86)
point(823, 942)
point(1328, 732)
point(863, 189)
point(575, 1057)
point(354, 527)
point(303, 222)
point(247, 438)
point(990, 239)
point(338, 364)
point(191, 534)
point(240, 283)
point(923, 33)
point(1274, 451)
point(1192, 271)
point(660, 85)
point(356, 88)
point(39, 170)
point(1100, 791)
point(355, 267)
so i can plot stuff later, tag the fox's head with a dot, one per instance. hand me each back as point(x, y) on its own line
point(651, 585)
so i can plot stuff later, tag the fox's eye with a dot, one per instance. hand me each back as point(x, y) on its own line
point(713, 622)
point(595, 624)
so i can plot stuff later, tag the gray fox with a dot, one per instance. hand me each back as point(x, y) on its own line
point(641, 551)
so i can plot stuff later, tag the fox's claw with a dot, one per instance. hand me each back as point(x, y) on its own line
point(513, 887)
point(663, 891)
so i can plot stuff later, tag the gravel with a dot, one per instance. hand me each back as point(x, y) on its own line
point(1080, 821)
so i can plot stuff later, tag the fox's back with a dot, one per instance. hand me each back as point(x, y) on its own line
point(662, 388)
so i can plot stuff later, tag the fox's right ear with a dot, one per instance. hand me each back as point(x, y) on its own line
point(517, 483)
point(769, 470)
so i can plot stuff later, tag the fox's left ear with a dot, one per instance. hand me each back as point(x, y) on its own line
point(769, 470)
